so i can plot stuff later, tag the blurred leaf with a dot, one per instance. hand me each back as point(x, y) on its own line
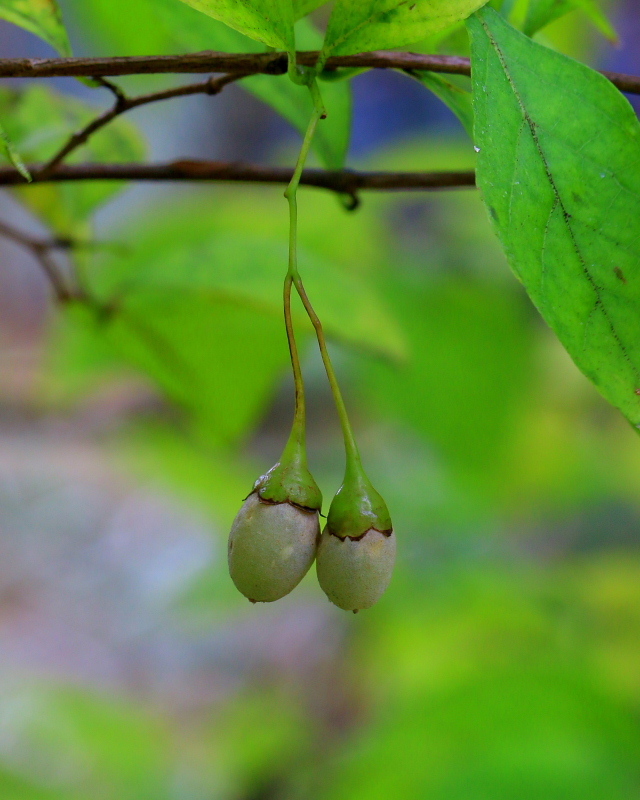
point(102, 27)
point(268, 21)
point(212, 479)
point(41, 17)
point(458, 99)
point(541, 12)
point(259, 737)
point(482, 688)
point(39, 121)
point(182, 250)
point(466, 373)
point(302, 7)
point(524, 734)
point(16, 787)
point(13, 155)
point(361, 25)
point(217, 360)
point(198, 310)
point(109, 747)
point(564, 193)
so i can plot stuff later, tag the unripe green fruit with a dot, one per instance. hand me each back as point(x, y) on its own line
point(355, 572)
point(271, 547)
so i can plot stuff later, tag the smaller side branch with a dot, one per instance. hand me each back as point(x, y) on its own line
point(348, 182)
point(123, 104)
point(41, 249)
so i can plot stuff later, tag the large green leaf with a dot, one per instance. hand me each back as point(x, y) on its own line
point(559, 169)
point(359, 25)
point(41, 17)
point(199, 311)
point(268, 21)
point(183, 250)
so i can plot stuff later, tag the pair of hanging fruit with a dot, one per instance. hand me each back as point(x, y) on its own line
point(276, 536)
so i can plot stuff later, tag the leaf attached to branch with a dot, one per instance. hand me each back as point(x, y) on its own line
point(559, 170)
point(267, 21)
point(357, 26)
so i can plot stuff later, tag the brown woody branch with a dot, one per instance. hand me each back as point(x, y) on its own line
point(41, 250)
point(348, 182)
point(247, 64)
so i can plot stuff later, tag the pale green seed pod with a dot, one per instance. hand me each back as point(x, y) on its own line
point(271, 547)
point(355, 572)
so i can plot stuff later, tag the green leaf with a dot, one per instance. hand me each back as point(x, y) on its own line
point(559, 169)
point(267, 21)
point(199, 311)
point(216, 359)
point(13, 155)
point(467, 372)
point(458, 99)
point(38, 121)
point(167, 26)
point(41, 17)
point(359, 25)
point(182, 250)
point(541, 12)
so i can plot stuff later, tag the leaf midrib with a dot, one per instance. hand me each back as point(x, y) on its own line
point(566, 216)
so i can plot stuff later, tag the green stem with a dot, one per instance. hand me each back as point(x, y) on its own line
point(354, 465)
point(289, 481)
point(296, 441)
point(297, 437)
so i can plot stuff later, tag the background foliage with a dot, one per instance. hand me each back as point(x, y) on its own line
point(504, 661)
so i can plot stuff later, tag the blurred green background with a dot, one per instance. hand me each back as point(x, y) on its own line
point(504, 661)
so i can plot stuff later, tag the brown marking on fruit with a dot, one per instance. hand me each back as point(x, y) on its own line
point(267, 502)
point(636, 391)
point(619, 274)
point(360, 536)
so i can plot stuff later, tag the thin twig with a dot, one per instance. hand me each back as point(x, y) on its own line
point(123, 104)
point(347, 182)
point(247, 64)
point(41, 250)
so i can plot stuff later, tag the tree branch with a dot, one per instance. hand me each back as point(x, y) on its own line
point(348, 182)
point(123, 104)
point(41, 250)
point(246, 63)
